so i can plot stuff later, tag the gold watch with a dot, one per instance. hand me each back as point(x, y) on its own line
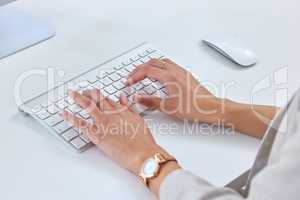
point(151, 167)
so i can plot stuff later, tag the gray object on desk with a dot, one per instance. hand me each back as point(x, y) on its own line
point(19, 30)
point(232, 48)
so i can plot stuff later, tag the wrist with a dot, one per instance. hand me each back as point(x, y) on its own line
point(164, 168)
point(210, 109)
point(143, 155)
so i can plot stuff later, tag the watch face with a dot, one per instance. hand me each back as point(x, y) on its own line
point(150, 167)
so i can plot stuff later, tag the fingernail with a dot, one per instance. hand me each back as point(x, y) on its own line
point(70, 92)
point(87, 91)
point(128, 81)
point(137, 97)
point(63, 113)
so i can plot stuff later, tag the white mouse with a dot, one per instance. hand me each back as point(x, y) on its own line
point(232, 48)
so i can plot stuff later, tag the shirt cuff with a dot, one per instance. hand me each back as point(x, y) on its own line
point(181, 184)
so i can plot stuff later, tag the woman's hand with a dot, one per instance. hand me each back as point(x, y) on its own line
point(119, 132)
point(186, 99)
point(115, 129)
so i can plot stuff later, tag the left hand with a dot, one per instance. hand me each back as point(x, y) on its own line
point(117, 130)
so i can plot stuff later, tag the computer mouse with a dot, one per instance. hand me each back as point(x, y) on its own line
point(232, 48)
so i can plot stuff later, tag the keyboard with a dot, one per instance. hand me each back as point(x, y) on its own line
point(110, 78)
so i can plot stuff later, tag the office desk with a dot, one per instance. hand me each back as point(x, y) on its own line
point(35, 165)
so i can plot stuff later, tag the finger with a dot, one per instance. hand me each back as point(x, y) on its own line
point(85, 103)
point(123, 100)
point(151, 102)
point(173, 65)
point(158, 63)
point(94, 95)
point(75, 121)
point(148, 71)
point(169, 61)
point(105, 104)
point(153, 62)
point(88, 129)
point(101, 101)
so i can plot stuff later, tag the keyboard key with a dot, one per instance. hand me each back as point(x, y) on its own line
point(70, 101)
point(69, 135)
point(123, 80)
point(106, 81)
point(138, 86)
point(62, 104)
point(78, 143)
point(77, 130)
point(101, 75)
point(130, 68)
point(85, 138)
point(75, 87)
point(114, 98)
point(84, 114)
point(46, 104)
point(127, 62)
point(109, 71)
point(135, 58)
point(139, 108)
point(36, 109)
point(52, 109)
point(89, 88)
point(130, 99)
point(158, 85)
point(123, 72)
point(110, 89)
point(53, 120)
point(54, 99)
point(150, 50)
point(43, 114)
point(115, 77)
point(104, 93)
point(92, 79)
point(146, 82)
point(118, 94)
point(144, 54)
point(144, 60)
point(150, 90)
point(129, 91)
point(137, 63)
point(83, 84)
point(74, 108)
point(119, 85)
point(118, 67)
point(160, 94)
point(164, 90)
point(98, 85)
point(142, 92)
point(62, 127)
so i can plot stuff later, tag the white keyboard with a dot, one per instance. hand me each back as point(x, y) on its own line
point(109, 77)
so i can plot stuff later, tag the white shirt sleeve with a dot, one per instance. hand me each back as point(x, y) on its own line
point(182, 185)
point(278, 180)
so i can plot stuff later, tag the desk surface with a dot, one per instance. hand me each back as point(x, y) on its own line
point(35, 165)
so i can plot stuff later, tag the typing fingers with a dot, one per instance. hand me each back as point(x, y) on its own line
point(86, 103)
point(147, 70)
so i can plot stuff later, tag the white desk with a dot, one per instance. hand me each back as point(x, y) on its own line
point(35, 165)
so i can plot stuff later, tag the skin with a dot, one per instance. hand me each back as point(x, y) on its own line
point(123, 135)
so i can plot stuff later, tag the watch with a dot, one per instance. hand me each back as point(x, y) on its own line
point(151, 166)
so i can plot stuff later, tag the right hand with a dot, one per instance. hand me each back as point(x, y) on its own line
point(186, 99)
